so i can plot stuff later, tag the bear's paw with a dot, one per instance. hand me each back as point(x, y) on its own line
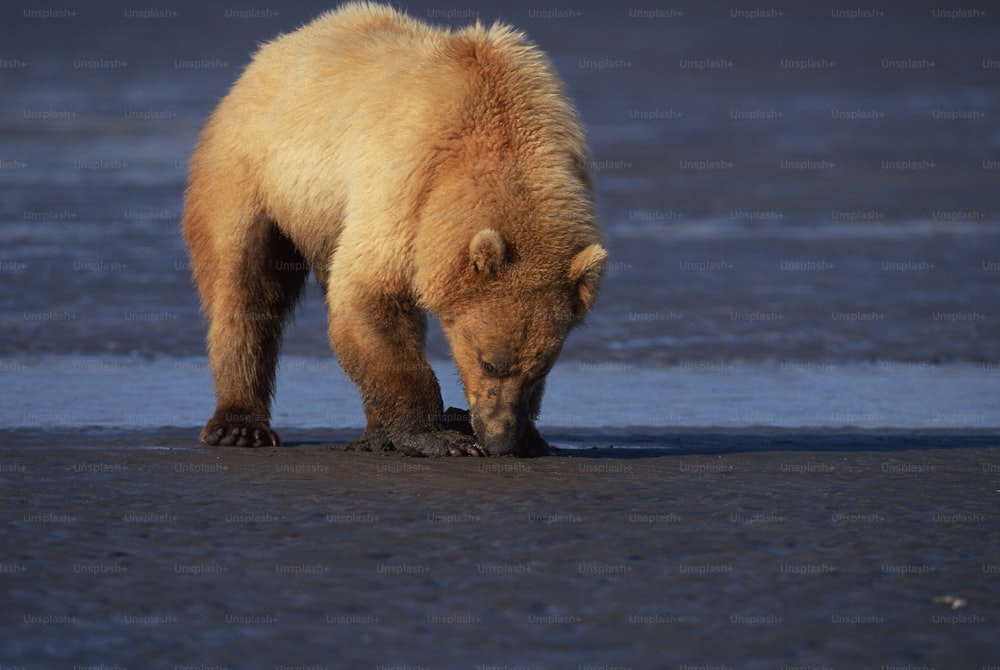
point(429, 443)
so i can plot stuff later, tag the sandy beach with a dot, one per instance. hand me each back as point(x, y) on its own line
point(742, 549)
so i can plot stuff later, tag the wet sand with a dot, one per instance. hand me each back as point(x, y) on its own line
point(738, 549)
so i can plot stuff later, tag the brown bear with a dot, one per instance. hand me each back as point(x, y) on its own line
point(413, 169)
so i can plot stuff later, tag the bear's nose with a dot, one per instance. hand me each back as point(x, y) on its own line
point(503, 440)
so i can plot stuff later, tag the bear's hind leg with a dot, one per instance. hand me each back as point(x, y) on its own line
point(247, 296)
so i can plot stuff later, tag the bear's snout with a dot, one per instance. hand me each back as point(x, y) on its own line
point(502, 435)
point(505, 443)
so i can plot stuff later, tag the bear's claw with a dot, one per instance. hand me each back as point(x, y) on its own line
point(239, 435)
point(436, 443)
point(466, 450)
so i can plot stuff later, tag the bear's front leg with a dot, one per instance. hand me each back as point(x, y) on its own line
point(380, 343)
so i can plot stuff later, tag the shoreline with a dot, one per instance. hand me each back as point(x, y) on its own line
point(610, 441)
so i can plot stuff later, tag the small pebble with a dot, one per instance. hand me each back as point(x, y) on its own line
point(952, 601)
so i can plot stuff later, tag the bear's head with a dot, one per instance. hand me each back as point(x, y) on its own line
point(506, 338)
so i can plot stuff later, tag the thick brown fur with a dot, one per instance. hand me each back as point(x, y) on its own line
point(414, 169)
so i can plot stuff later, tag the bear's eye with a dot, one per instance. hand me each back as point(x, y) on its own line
point(497, 369)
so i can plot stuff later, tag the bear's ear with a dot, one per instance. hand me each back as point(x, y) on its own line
point(487, 251)
point(585, 272)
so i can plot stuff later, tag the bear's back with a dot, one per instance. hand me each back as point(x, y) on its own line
point(365, 114)
point(364, 52)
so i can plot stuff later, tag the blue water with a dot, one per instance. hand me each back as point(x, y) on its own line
point(114, 392)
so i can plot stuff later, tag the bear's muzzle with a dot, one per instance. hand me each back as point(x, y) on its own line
point(500, 422)
point(503, 442)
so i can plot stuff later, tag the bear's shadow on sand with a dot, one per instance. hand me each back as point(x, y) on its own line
point(631, 446)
